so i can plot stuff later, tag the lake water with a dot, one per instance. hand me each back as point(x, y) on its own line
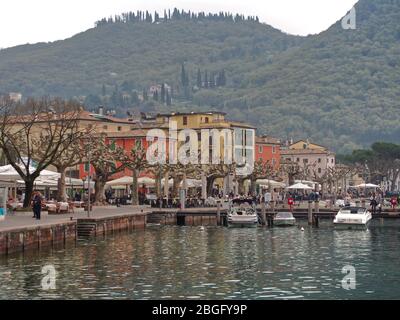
point(215, 263)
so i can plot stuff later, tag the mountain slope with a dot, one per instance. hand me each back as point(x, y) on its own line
point(341, 87)
point(143, 53)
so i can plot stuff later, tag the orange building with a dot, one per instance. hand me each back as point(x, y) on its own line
point(127, 141)
point(268, 149)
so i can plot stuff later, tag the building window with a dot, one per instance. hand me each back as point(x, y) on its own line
point(206, 119)
point(260, 149)
point(73, 174)
point(86, 167)
point(298, 159)
point(244, 147)
point(319, 170)
point(273, 149)
point(119, 128)
point(319, 160)
point(304, 146)
point(105, 127)
point(185, 122)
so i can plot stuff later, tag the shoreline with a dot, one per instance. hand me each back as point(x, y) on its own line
point(20, 233)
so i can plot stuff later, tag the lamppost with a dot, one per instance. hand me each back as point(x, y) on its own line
point(83, 187)
point(88, 178)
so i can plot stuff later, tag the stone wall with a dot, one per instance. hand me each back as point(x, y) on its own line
point(22, 239)
point(109, 225)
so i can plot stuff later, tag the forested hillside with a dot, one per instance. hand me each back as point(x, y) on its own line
point(341, 87)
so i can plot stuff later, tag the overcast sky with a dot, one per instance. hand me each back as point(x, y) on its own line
point(31, 21)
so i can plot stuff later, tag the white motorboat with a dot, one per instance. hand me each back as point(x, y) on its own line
point(283, 219)
point(243, 216)
point(352, 218)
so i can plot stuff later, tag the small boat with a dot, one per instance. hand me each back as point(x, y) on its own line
point(352, 218)
point(284, 219)
point(243, 216)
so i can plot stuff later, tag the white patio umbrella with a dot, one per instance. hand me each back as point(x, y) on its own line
point(300, 186)
point(147, 181)
point(192, 183)
point(125, 180)
point(312, 184)
point(367, 185)
point(9, 173)
point(170, 182)
point(273, 183)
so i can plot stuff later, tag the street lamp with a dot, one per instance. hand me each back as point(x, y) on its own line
point(88, 210)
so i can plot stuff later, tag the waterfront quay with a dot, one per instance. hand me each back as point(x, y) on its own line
point(20, 232)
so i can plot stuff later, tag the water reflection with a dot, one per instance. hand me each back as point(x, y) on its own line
point(215, 263)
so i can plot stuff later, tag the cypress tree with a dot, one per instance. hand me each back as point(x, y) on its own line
point(145, 96)
point(169, 99)
point(212, 81)
point(184, 77)
point(163, 93)
point(221, 80)
point(199, 84)
point(155, 95)
point(206, 80)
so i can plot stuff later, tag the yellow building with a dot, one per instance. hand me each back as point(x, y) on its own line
point(309, 154)
point(305, 144)
point(243, 135)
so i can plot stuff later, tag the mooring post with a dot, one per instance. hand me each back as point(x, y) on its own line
point(317, 213)
point(218, 213)
point(310, 215)
point(263, 213)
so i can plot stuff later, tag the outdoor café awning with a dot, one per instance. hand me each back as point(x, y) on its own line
point(367, 185)
point(127, 180)
point(9, 173)
point(300, 186)
point(273, 183)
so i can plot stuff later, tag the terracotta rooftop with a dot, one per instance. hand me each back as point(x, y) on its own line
point(267, 140)
point(303, 151)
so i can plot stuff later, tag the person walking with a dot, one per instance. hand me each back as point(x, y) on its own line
point(37, 205)
point(32, 204)
point(373, 204)
point(267, 198)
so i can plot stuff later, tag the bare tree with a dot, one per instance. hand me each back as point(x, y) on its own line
point(136, 161)
point(261, 170)
point(72, 156)
point(106, 161)
point(35, 133)
point(291, 169)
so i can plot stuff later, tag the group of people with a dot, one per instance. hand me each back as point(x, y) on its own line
point(37, 201)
